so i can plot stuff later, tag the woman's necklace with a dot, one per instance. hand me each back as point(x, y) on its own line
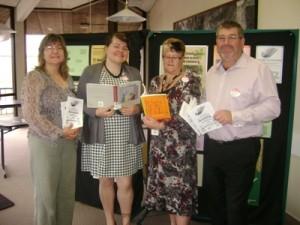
point(113, 75)
point(170, 81)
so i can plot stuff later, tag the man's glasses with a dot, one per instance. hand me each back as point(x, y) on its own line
point(223, 38)
point(175, 58)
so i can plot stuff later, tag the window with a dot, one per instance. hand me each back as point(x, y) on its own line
point(6, 81)
point(7, 74)
point(32, 50)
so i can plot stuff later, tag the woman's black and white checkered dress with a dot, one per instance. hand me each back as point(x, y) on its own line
point(116, 157)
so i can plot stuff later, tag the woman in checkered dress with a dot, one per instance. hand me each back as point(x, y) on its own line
point(111, 136)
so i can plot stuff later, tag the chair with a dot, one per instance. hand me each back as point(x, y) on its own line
point(8, 124)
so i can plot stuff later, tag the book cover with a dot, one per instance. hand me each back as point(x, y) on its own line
point(156, 106)
point(103, 95)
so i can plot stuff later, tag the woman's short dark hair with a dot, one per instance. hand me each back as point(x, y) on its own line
point(118, 35)
point(173, 44)
point(48, 40)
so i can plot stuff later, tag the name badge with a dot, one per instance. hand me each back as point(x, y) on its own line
point(117, 106)
point(154, 132)
point(125, 78)
point(185, 79)
point(235, 92)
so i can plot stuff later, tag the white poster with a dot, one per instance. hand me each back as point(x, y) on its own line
point(273, 57)
point(199, 170)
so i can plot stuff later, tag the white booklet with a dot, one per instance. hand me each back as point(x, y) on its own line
point(72, 112)
point(199, 117)
point(102, 95)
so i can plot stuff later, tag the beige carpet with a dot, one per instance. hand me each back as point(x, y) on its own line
point(18, 188)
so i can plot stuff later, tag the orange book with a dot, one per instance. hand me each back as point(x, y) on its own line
point(156, 106)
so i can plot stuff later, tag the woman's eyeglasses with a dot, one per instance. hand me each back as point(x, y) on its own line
point(53, 47)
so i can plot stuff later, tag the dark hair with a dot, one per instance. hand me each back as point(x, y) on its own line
point(174, 44)
point(231, 24)
point(48, 40)
point(118, 35)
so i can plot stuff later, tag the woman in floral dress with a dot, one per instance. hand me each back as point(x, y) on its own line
point(171, 184)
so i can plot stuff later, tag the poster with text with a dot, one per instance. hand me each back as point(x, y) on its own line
point(78, 58)
point(97, 54)
point(199, 170)
point(195, 60)
point(273, 57)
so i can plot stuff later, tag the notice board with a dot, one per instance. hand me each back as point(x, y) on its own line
point(278, 49)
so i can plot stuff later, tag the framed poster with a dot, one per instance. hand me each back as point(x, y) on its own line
point(97, 53)
point(242, 11)
point(78, 58)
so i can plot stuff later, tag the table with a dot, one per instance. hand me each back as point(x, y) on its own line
point(10, 104)
point(8, 124)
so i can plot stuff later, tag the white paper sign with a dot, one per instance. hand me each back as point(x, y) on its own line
point(273, 57)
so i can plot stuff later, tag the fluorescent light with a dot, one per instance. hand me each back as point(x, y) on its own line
point(126, 16)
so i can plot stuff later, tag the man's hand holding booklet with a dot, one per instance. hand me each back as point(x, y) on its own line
point(199, 117)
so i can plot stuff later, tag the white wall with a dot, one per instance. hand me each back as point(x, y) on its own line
point(20, 56)
point(272, 14)
point(165, 12)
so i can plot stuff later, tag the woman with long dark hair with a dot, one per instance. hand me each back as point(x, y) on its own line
point(52, 147)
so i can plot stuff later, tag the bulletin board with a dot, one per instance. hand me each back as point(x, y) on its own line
point(85, 46)
point(278, 49)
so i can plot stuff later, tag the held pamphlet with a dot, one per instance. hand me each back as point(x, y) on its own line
point(156, 106)
point(103, 95)
point(199, 117)
point(72, 112)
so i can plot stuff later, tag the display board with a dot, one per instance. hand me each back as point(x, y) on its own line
point(87, 49)
point(276, 48)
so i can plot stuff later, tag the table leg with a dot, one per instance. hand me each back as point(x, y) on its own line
point(2, 153)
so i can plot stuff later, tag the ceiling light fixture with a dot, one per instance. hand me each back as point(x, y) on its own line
point(5, 29)
point(126, 16)
point(5, 32)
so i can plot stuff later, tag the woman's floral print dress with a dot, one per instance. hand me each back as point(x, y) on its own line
point(172, 184)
